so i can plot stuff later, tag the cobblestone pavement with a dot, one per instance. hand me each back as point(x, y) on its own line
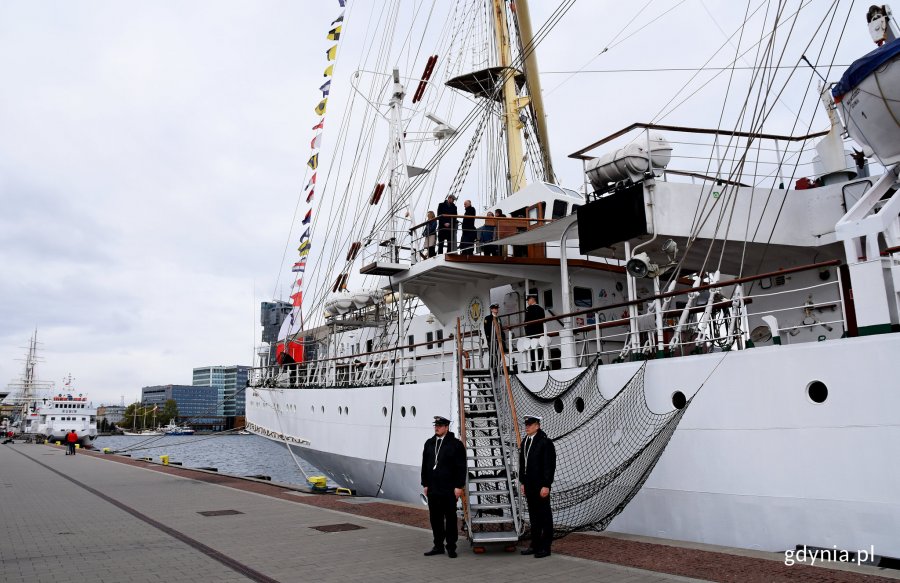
point(88, 518)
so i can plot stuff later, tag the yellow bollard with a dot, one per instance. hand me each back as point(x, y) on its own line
point(106, 450)
point(78, 445)
point(58, 443)
point(164, 459)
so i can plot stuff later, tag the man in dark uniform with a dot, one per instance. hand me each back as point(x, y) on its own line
point(489, 333)
point(534, 312)
point(537, 464)
point(467, 242)
point(447, 224)
point(443, 478)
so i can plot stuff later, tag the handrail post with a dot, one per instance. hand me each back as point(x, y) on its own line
point(460, 385)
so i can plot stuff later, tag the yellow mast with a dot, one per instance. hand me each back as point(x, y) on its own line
point(515, 152)
point(533, 80)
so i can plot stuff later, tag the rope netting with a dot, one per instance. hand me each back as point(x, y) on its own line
point(605, 448)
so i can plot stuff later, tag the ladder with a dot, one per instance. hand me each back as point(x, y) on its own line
point(493, 513)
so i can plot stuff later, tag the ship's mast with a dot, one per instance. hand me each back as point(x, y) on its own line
point(522, 16)
point(515, 153)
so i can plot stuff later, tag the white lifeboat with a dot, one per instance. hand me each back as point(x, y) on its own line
point(868, 96)
point(630, 162)
point(339, 303)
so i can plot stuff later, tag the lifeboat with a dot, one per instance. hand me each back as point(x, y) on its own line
point(868, 97)
point(630, 162)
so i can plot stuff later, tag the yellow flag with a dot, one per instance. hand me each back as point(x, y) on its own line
point(320, 109)
point(303, 249)
point(331, 53)
point(334, 33)
point(328, 71)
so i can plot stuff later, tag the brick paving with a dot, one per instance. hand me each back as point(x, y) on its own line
point(273, 534)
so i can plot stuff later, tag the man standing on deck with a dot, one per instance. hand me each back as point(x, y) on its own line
point(490, 334)
point(467, 242)
point(71, 440)
point(443, 479)
point(537, 465)
point(534, 312)
point(447, 224)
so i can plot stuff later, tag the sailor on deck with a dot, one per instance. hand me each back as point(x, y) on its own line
point(537, 465)
point(443, 480)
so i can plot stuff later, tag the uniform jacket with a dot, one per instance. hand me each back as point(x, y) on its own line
point(489, 331)
point(446, 208)
point(541, 462)
point(451, 465)
point(532, 313)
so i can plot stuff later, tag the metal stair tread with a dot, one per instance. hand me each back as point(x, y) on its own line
point(492, 519)
point(495, 537)
point(476, 507)
point(488, 480)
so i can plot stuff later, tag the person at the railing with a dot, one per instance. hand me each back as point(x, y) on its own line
point(467, 242)
point(490, 333)
point(504, 229)
point(429, 236)
point(443, 480)
point(488, 233)
point(537, 466)
point(534, 312)
point(447, 224)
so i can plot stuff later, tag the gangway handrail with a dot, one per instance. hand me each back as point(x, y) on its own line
point(460, 386)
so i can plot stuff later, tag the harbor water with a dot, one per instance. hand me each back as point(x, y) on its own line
point(240, 455)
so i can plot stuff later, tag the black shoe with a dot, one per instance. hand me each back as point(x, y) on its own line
point(528, 551)
point(451, 554)
point(434, 551)
point(541, 554)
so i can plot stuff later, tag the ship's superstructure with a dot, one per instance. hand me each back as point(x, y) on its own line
point(757, 306)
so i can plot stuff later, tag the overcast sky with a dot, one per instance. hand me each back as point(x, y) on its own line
point(152, 153)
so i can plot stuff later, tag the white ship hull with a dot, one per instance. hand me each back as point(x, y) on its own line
point(753, 464)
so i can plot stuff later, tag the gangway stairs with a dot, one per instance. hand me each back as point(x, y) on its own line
point(493, 511)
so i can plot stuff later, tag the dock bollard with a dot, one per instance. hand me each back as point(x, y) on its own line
point(106, 450)
point(78, 445)
point(164, 459)
point(58, 443)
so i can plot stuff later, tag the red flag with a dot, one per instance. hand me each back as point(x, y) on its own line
point(297, 298)
point(319, 125)
point(309, 197)
point(308, 217)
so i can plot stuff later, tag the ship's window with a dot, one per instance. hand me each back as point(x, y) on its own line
point(369, 345)
point(53, 419)
point(413, 410)
point(403, 411)
point(679, 400)
point(548, 298)
point(440, 336)
point(559, 209)
point(346, 410)
point(583, 296)
point(817, 392)
point(412, 340)
point(384, 411)
point(429, 336)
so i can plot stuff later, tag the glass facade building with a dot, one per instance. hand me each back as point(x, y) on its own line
point(196, 405)
point(229, 382)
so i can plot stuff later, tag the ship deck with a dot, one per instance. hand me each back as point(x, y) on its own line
point(113, 518)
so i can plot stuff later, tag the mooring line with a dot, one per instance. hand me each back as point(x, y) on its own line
point(212, 553)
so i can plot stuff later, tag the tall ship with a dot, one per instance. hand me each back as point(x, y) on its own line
point(46, 416)
point(718, 304)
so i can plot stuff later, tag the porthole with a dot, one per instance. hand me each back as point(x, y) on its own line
point(558, 405)
point(679, 400)
point(579, 404)
point(817, 392)
point(403, 411)
point(384, 411)
point(412, 410)
point(340, 410)
point(323, 408)
point(346, 410)
point(312, 408)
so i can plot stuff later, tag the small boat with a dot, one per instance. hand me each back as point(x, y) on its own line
point(143, 433)
point(173, 429)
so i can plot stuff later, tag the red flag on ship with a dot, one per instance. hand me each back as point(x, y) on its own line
point(319, 125)
point(297, 298)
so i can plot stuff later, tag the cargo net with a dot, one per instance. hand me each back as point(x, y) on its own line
point(605, 448)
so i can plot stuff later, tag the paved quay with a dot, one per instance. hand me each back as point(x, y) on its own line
point(114, 519)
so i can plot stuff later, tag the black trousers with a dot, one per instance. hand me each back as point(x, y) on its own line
point(72, 448)
point(450, 237)
point(442, 512)
point(541, 519)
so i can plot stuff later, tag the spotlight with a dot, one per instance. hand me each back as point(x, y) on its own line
point(639, 266)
